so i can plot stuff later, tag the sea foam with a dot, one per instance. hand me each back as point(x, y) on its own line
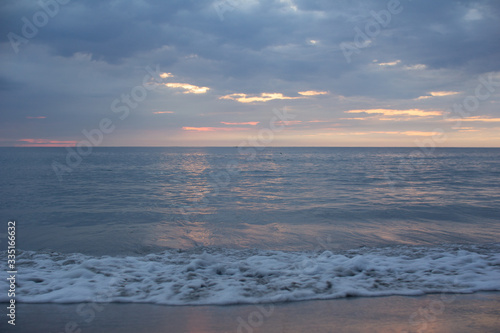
point(224, 276)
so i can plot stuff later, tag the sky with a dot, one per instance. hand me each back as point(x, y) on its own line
point(250, 72)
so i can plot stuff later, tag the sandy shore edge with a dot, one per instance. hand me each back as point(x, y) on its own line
point(478, 312)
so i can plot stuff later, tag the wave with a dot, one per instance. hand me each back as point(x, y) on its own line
point(224, 276)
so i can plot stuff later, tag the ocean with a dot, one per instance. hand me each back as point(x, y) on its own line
point(184, 226)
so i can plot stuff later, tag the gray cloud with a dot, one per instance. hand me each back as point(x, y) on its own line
point(91, 52)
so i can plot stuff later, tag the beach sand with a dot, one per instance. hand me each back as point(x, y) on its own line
point(431, 313)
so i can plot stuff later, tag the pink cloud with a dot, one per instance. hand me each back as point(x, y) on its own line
point(289, 122)
point(214, 129)
point(45, 143)
point(391, 112)
point(263, 97)
point(189, 88)
point(312, 93)
point(39, 117)
point(253, 123)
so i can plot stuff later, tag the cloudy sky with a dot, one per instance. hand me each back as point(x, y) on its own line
point(216, 73)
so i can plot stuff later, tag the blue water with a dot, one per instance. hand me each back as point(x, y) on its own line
point(141, 202)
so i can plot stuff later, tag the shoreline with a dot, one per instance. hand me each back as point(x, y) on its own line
point(477, 312)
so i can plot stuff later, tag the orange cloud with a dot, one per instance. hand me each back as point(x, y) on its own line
point(371, 132)
point(465, 129)
point(320, 121)
point(443, 93)
point(367, 133)
point(312, 93)
point(165, 75)
point(323, 134)
point(253, 123)
point(39, 117)
point(418, 133)
point(415, 67)
point(45, 143)
point(408, 133)
point(289, 122)
point(390, 112)
point(200, 129)
point(438, 94)
point(478, 119)
point(393, 63)
point(189, 88)
point(264, 97)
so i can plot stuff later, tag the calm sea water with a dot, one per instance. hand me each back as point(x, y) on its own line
point(282, 215)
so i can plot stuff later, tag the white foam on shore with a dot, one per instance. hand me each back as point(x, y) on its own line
point(222, 276)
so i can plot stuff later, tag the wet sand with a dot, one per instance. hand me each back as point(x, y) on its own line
point(431, 313)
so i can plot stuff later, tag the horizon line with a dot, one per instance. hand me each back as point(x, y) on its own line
point(417, 147)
